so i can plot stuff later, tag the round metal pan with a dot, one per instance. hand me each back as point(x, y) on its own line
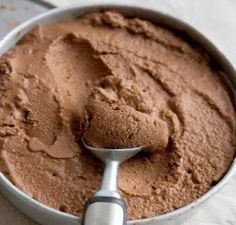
point(48, 216)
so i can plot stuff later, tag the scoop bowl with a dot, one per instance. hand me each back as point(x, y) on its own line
point(113, 154)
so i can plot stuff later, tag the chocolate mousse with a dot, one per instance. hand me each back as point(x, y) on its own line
point(118, 82)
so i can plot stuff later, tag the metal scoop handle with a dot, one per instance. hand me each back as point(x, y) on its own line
point(106, 207)
point(105, 211)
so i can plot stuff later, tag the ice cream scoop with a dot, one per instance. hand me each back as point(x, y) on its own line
point(107, 207)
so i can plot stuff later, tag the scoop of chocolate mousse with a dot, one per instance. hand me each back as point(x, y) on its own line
point(121, 114)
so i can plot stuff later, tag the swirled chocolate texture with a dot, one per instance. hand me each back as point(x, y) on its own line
point(120, 82)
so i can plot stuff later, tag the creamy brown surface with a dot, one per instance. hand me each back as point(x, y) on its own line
point(128, 80)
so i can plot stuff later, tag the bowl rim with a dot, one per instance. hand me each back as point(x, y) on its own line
point(17, 33)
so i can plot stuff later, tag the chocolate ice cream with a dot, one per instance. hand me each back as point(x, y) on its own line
point(119, 82)
point(121, 114)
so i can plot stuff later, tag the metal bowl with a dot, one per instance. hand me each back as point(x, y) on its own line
point(48, 216)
